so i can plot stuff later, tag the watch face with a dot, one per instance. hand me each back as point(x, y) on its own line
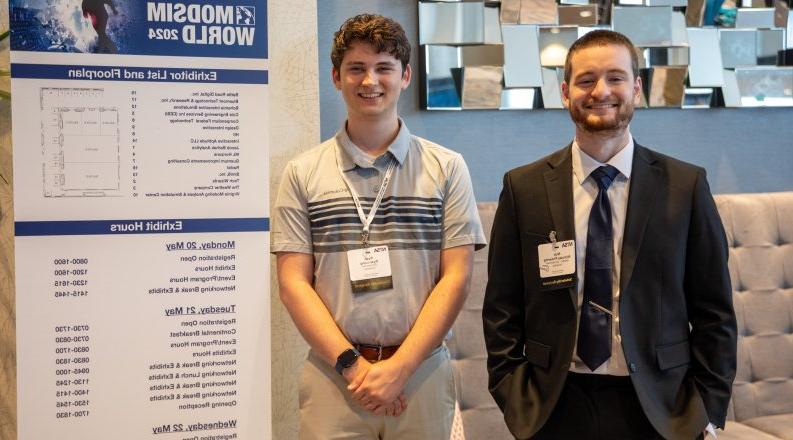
point(348, 358)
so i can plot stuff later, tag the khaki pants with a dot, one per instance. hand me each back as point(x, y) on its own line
point(327, 411)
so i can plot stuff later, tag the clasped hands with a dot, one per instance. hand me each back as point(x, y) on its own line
point(378, 387)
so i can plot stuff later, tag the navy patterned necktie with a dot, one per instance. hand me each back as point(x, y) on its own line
point(594, 328)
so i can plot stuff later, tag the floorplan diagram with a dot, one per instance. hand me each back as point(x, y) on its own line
point(80, 140)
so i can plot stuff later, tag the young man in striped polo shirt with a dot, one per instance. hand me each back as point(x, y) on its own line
point(374, 232)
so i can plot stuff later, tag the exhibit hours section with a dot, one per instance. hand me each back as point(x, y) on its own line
point(166, 323)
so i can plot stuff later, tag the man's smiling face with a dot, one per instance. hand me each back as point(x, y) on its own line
point(602, 90)
point(370, 82)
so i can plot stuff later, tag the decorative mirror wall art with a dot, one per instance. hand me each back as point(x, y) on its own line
point(509, 54)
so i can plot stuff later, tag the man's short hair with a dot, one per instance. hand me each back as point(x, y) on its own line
point(383, 33)
point(601, 37)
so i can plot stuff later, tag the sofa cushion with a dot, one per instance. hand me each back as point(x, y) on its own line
point(780, 425)
point(760, 236)
point(471, 381)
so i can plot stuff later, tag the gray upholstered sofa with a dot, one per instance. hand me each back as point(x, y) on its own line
point(760, 233)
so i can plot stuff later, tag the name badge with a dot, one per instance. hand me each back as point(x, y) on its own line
point(370, 269)
point(557, 264)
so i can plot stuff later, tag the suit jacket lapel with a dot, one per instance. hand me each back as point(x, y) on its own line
point(646, 180)
point(559, 187)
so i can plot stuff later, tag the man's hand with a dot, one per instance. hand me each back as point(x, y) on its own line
point(394, 409)
point(356, 370)
point(357, 374)
point(381, 385)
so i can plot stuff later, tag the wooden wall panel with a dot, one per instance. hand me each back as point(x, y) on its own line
point(8, 359)
point(8, 394)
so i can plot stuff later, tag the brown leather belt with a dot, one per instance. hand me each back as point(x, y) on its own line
point(376, 353)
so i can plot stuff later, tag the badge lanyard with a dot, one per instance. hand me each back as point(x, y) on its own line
point(367, 220)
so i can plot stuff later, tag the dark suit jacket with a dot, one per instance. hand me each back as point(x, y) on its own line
point(676, 316)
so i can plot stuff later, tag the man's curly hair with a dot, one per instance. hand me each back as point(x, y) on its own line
point(385, 34)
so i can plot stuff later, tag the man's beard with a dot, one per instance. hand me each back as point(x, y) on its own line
point(598, 124)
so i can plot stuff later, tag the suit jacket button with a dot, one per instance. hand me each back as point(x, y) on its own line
point(633, 367)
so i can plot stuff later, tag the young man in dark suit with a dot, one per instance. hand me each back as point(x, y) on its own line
point(608, 312)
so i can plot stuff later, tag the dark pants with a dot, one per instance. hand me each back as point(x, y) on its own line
point(598, 407)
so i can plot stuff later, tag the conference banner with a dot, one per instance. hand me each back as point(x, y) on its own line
point(140, 144)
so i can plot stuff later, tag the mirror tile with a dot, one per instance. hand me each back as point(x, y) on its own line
point(789, 30)
point(552, 87)
point(765, 86)
point(482, 55)
point(664, 56)
point(538, 12)
point(482, 87)
point(738, 47)
point(674, 3)
point(645, 25)
point(769, 43)
point(679, 33)
point(510, 11)
point(521, 56)
point(492, 26)
point(442, 77)
point(451, 23)
point(667, 86)
point(705, 66)
point(554, 43)
point(697, 97)
point(518, 99)
point(732, 97)
point(579, 15)
point(754, 18)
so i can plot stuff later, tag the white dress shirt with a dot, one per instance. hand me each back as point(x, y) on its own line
point(585, 191)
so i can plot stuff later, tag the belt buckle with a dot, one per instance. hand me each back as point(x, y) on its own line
point(379, 349)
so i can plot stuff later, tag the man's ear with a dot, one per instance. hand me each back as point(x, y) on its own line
point(637, 90)
point(565, 94)
point(406, 75)
point(336, 76)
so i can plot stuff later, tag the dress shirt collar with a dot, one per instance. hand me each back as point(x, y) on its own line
point(352, 156)
point(584, 164)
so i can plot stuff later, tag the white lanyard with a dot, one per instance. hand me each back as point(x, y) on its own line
point(367, 220)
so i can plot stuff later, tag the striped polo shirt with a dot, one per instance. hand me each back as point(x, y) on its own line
point(428, 206)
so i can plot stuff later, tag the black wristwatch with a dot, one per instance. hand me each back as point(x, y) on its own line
point(346, 359)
